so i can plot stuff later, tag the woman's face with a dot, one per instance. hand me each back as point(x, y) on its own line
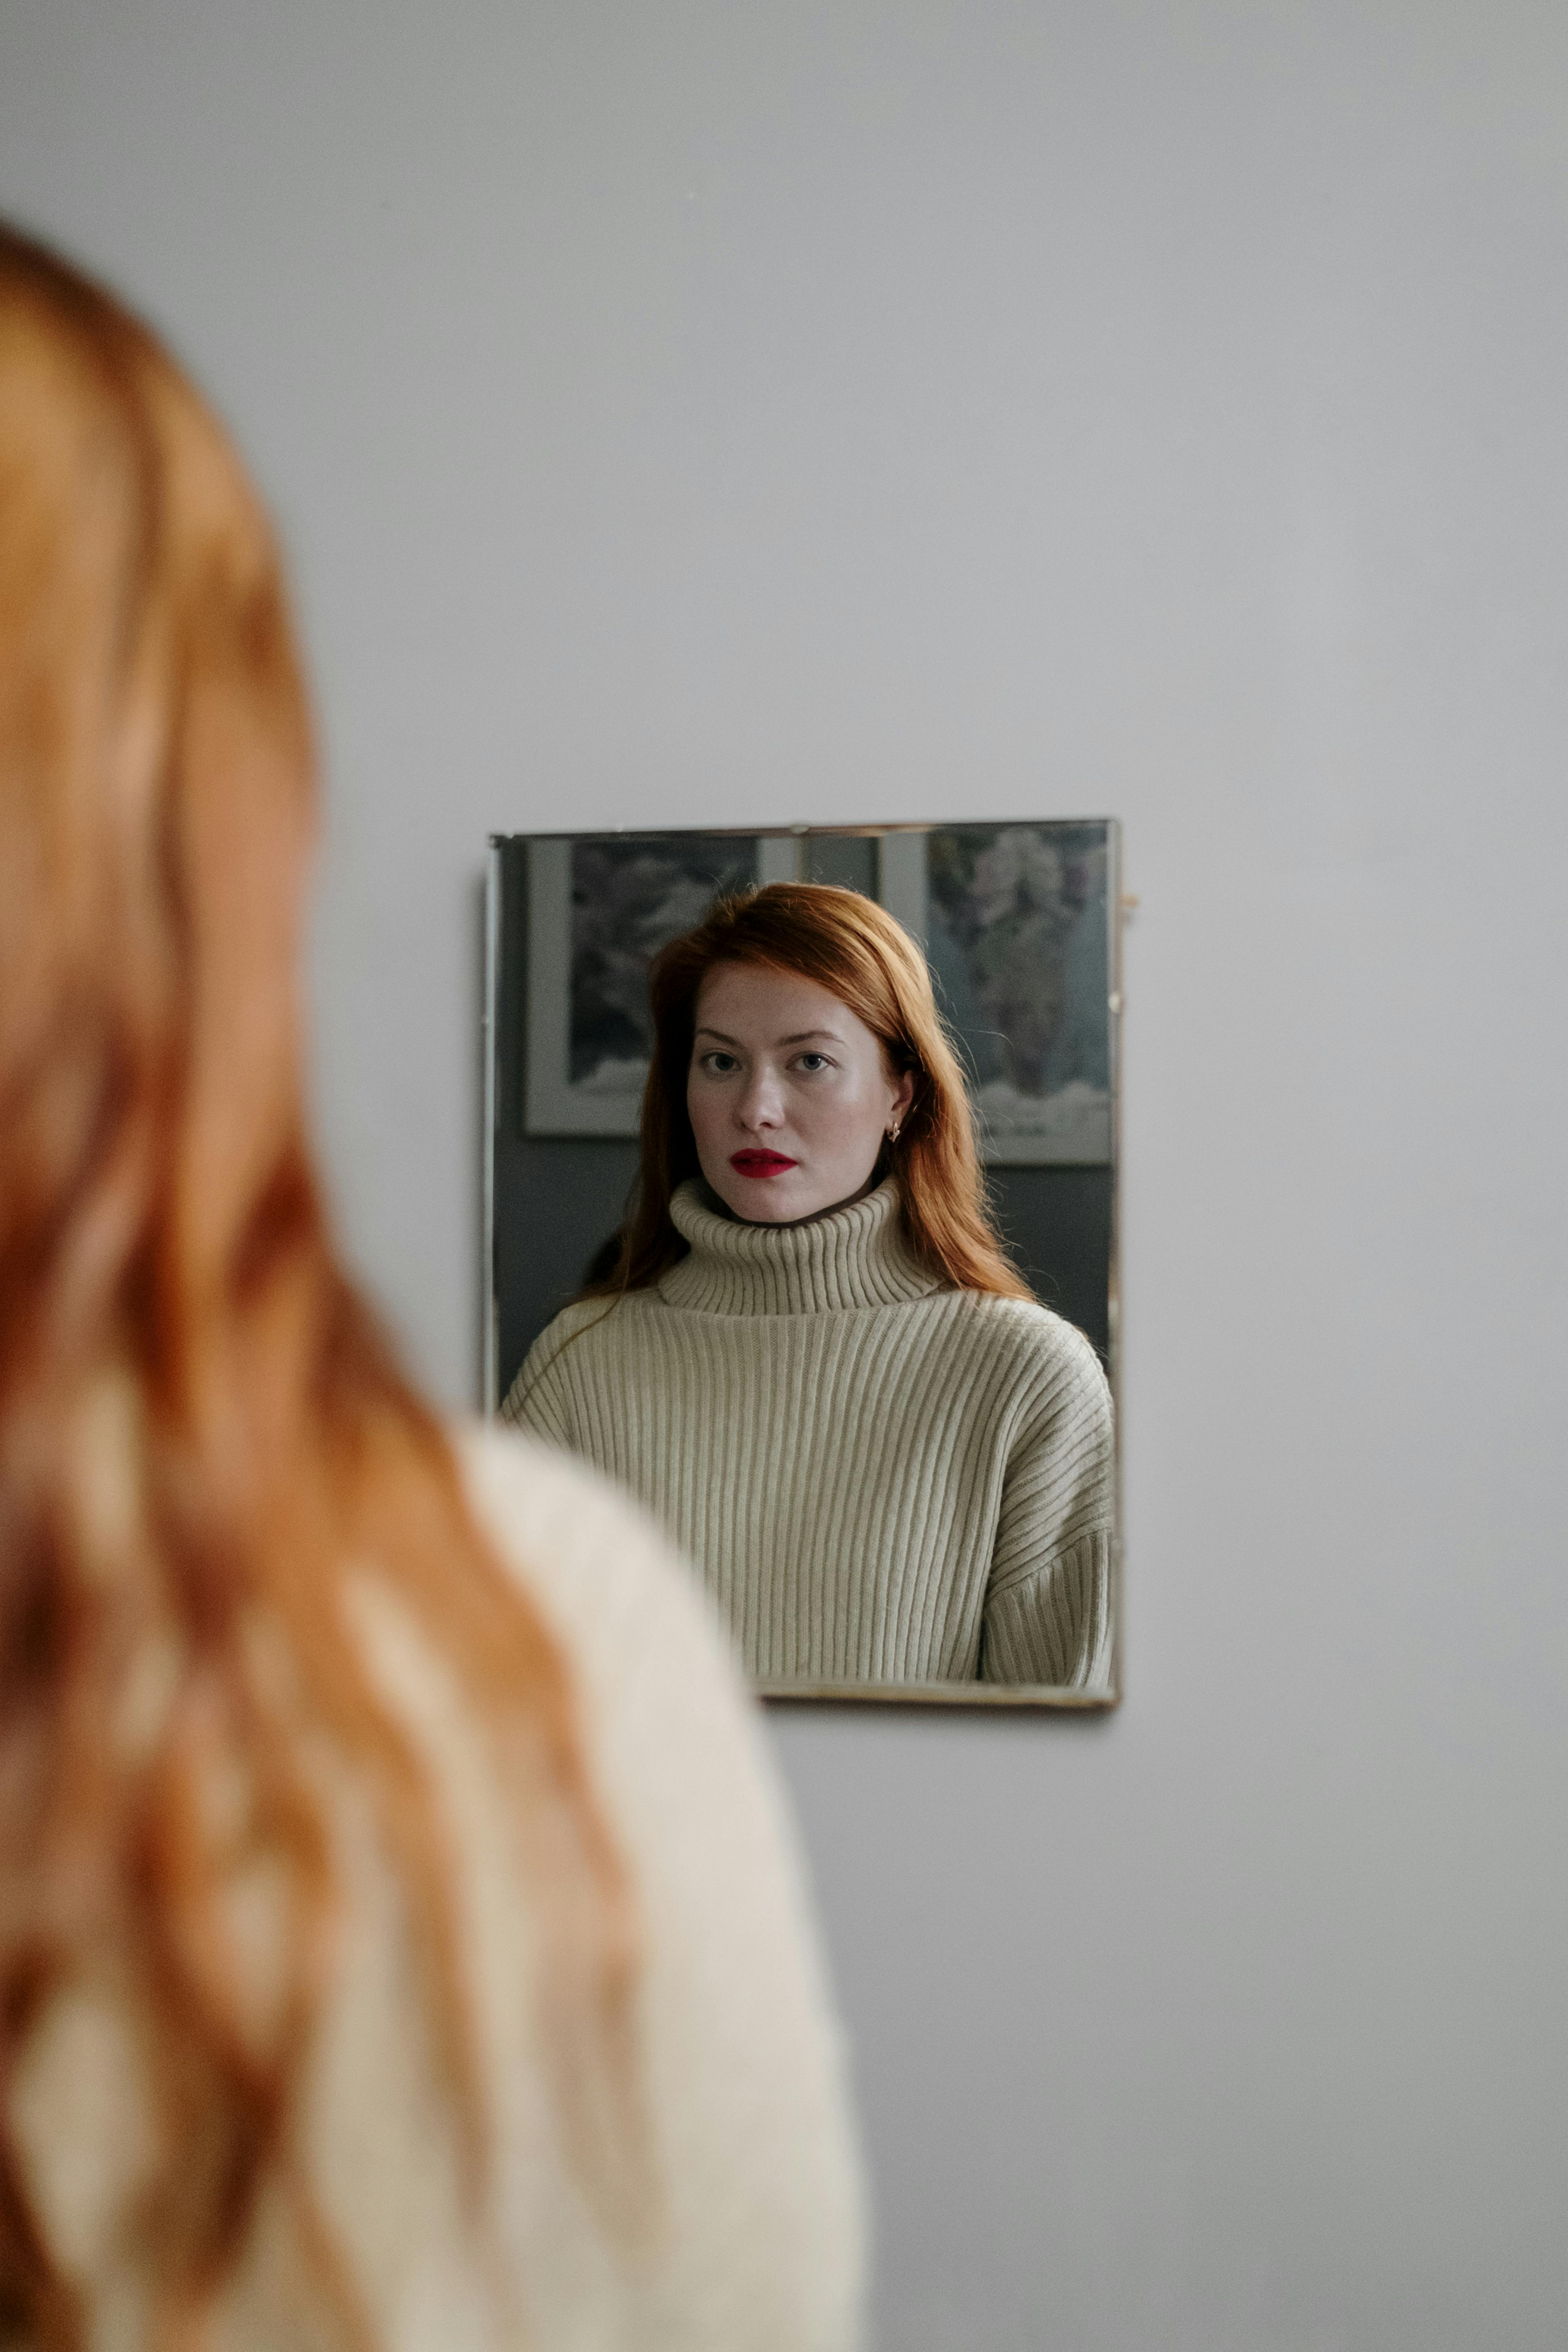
point(789, 1095)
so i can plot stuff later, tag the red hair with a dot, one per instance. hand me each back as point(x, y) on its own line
point(853, 949)
point(204, 1434)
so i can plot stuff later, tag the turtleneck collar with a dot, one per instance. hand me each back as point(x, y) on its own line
point(856, 1257)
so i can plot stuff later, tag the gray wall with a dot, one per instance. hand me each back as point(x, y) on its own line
point(702, 414)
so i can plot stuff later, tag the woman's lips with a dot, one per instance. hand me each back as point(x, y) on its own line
point(760, 1163)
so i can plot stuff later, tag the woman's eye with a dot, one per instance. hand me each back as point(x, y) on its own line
point(719, 1066)
point(815, 1062)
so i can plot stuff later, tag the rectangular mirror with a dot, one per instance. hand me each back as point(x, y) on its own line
point(880, 1423)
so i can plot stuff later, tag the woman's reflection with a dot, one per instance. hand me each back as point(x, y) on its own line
point(811, 1357)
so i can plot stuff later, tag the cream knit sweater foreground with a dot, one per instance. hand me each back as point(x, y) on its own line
point(754, 2240)
point(880, 1478)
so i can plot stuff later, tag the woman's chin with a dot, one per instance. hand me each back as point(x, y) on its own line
point(782, 1199)
point(767, 1201)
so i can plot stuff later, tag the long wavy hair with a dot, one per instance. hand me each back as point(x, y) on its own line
point(206, 1442)
point(853, 949)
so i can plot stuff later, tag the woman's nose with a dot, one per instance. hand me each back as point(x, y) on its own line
point(761, 1103)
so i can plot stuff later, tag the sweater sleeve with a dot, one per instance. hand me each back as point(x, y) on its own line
point(540, 1399)
point(1047, 1601)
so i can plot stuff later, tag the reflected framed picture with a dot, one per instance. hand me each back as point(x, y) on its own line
point(599, 909)
point(978, 1595)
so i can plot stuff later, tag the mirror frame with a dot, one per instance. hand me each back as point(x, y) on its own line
point(969, 1695)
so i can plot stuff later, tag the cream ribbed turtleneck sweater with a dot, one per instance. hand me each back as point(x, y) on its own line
point(881, 1479)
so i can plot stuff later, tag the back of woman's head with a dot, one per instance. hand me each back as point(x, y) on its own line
point(202, 1431)
point(853, 948)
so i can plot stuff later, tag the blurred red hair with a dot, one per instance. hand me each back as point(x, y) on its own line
point(853, 949)
point(204, 1434)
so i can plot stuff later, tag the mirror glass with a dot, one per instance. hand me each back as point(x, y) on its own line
point(876, 1414)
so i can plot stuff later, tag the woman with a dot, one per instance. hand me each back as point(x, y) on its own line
point(814, 1361)
point(397, 1947)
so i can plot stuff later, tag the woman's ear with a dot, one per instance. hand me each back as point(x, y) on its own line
point(903, 1096)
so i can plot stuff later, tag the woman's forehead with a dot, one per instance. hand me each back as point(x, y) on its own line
point(762, 1003)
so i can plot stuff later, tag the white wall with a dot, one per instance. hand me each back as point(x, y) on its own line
point(704, 412)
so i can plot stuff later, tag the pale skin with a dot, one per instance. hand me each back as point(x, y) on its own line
point(790, 1095)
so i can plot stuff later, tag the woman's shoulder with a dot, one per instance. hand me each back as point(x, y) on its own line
point(738, 2019)
point(572, 1323)
point(1033, 1336)
point(587, 1323)
point(591, 1331)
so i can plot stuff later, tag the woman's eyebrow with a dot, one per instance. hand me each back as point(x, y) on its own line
point(801, 1036)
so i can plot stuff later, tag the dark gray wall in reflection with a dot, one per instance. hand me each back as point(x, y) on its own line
point(558, 1199)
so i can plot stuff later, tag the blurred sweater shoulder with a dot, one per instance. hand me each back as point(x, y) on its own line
point(751, 2233)
point(761, 2233)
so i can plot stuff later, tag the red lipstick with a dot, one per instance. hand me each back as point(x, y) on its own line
point(760, 1163)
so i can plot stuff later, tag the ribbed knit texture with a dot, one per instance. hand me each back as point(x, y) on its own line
point(880, 1478)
